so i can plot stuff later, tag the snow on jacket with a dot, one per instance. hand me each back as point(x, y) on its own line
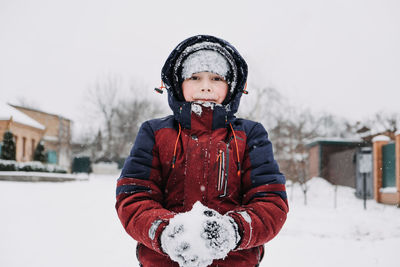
point(209, 155)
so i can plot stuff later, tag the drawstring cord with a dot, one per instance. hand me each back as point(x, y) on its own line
point(160, 89)
point(244, 90)
point(239, 170)
point(176, 143)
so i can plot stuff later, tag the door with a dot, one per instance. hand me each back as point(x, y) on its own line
point(389, 165)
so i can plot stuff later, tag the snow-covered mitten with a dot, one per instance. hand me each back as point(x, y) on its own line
point(182, 240)
point(220, 233)
point(197, 237)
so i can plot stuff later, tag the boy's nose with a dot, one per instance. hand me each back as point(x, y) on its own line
point(208, 90)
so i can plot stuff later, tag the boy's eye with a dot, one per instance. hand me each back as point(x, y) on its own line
point(217, 78)
point(194, 78)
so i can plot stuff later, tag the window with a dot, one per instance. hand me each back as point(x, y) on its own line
point(33, 146)
point(16, 147)
point(23, 147)
point(16, 142)
point(52, 157)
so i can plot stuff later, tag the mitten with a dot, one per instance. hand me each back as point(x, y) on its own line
point(197, 237)
point(182, 242)
point(220, 233)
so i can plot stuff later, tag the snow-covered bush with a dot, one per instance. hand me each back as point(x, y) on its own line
point(8, 148)
point(39, 154)
point(7, 165)
point(32, 166)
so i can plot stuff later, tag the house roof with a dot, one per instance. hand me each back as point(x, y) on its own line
point(40, 111)
point(334, 141)
point(7, 112)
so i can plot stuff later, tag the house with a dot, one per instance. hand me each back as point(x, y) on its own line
point(27, 131)
point(372, 169)
point(57, 135)
point(335, 159)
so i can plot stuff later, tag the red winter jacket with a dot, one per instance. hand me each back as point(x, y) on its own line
point(213, 157)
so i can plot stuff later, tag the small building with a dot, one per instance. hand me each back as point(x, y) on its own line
point(27, 132)
point(386, 154)
point(335, 159)
point(57, 135)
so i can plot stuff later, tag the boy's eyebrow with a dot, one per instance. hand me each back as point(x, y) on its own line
point(219, 76)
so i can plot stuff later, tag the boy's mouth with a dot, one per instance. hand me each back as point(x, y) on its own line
point(205, 97)
point(205, 100)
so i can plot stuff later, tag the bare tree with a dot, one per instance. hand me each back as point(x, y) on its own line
point(291, 135)
point(130, 114)
point(384, 123)
point(118, 115)
point(263, 104)
point(104, 99)
point(291, 128)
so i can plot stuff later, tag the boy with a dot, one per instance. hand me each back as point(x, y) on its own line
point(201, 186)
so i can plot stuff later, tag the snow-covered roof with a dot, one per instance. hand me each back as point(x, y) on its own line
point(380, 138)
point(6, 112)
point(337, 140)
point(50, 138)
point(40, 111)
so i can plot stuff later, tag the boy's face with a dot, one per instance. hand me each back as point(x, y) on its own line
point(205, 86)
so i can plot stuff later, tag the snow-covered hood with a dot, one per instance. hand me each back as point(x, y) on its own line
point(170, 76)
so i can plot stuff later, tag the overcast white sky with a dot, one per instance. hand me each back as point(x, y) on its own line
point(340, 56)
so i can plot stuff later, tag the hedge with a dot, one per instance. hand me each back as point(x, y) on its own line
point(33, 166)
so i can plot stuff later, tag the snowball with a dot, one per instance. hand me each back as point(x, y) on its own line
point(186, 241)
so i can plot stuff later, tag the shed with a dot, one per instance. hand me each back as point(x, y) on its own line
point(334, 159)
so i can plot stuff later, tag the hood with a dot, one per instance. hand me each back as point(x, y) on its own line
point(170, 76)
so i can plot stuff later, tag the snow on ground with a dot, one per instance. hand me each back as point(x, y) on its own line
point(74, 224)
point(70, 224)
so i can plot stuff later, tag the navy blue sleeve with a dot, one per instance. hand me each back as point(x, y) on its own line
point(139, 163)
point(264, 168)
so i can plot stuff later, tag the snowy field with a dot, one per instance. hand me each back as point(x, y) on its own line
point(74, 224)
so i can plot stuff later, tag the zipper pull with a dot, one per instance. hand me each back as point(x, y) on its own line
point(239, 169)
point(219, 160)
point(219, 155)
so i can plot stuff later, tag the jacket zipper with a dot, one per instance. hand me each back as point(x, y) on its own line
point(223, 171)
